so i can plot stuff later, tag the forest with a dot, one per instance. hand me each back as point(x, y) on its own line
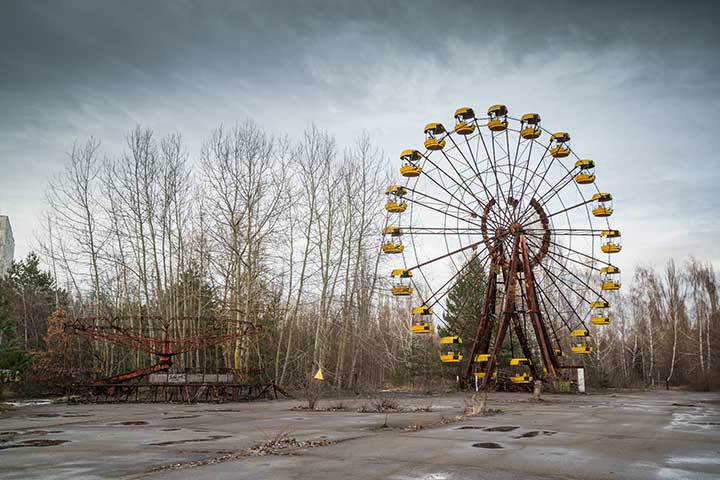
point(284, 234)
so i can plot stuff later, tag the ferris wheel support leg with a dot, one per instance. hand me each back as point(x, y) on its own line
point(507, 311)
point(482, 335)
point(524, 345)
point(541, 332)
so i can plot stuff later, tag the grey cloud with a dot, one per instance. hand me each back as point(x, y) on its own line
point(637, 81)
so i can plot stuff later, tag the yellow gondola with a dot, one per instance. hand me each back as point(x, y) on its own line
point(401, 272)
point(450, 340)
point(451, 357)
point(432, 132)
point(395, 204)
point(420, 324)
point(393, 231)
point(599, 314)
point(521, 378)
point(464, 121)
point(401, 290)
point(410, 168)
point(481, 358)
point(392, 247)
point(560, 150)
point(557, 352)
point(514, 362)
point(601, 320)
point(602, 204)
point(611, 278)
point(611, 241)
point(587, 172)
point(395, 207)
point(580, 333)
point(530, 126)
point(410, 171)
point(423, 327)
point(397, 190)
point(581, 349)
point(482, 375)
point(498, 118)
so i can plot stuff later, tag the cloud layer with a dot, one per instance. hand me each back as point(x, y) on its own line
point(635, 83)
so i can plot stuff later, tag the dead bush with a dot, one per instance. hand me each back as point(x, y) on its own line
point(385, 404)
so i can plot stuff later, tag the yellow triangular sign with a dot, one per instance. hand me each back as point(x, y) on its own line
point(319, 375)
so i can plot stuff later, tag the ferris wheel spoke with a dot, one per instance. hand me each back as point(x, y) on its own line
point(570, 258)
point(568, 178)
point(560, 291)
point(444, 189)
point(476, 172)
point(569, 232)
point(535, 170)
point(463, 184)
point(460, 184)
point(517, 154)
point(447, 287)
point(430, 207)
point(552, 257)
point(491, 160)
point(567, 209)
point(465, 159)
point(441, 257)
point(443, 202)
point(560, 315)
point(554, 190)
point(547, 169)
point(441, 230)
point(594, 259)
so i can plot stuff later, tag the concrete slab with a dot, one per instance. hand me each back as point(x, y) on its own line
point(646, 435)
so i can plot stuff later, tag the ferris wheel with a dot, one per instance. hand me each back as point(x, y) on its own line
point(514, 198)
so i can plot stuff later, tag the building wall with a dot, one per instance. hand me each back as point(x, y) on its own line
point(7, 244)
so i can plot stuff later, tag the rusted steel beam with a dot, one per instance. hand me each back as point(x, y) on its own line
point(139, 373)
point(524, 345)
point(541, 334)
point(507, 311)
point(484, 326)
point(110, 332)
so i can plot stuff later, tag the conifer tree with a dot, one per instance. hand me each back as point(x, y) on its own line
point(465, 304)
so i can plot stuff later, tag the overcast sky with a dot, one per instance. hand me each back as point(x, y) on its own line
point(636, 84)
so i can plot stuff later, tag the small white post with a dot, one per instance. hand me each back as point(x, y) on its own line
point(581, 380)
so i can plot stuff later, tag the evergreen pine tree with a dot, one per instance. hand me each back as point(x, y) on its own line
point(465, 305)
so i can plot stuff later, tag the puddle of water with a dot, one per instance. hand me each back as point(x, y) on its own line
point(132, 422)
point(680, 474)
point(694, 419)
point(469, 428)
point(181, 416)
point(192, 440)
point(694, 460)
point(34, 443)
point(29, 403)
point(487, 445)
point(503, 428)
point(532, 434)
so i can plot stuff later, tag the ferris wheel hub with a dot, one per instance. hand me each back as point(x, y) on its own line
point(516, 229)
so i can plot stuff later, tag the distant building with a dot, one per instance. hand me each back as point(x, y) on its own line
point(7, 244)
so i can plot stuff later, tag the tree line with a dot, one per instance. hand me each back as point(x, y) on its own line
point(285, 234)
